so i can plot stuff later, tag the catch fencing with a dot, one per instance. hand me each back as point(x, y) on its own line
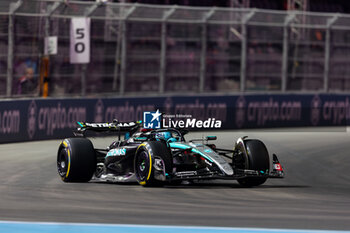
point(138, 49)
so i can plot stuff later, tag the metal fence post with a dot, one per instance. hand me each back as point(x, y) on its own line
point(330, 22)
point(88, 11)
point(123, 59)
point(287, 22)
point(50, 10)
point(245, 20)
point(124, 45)
point(13, 8)
point(162, 67)
point(44, 79)
point(203, 61)
point(117, 56)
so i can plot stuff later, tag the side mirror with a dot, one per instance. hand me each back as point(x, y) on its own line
point(210, 138)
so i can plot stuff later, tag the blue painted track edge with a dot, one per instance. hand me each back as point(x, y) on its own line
point(168, 227)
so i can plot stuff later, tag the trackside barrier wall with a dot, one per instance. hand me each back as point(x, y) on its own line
point(38, 119)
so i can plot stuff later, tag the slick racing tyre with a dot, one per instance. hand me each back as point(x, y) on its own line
point(76, 160)
point(258, 159)
point(152, 163)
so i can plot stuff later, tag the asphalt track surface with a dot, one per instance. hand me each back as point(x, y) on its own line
point(315, 194)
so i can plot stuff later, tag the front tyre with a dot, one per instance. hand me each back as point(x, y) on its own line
point(152, 163)
point(76, 160)
point(258, 159)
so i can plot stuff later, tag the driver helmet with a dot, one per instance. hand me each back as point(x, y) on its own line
point(165, 136)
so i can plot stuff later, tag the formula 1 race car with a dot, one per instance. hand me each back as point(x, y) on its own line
point(161, 156)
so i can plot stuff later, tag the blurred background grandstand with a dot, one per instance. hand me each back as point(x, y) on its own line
point(154, 46)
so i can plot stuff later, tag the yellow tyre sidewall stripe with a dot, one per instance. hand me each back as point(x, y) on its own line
point(150, 163)
point(68, 152)
point(68, 163)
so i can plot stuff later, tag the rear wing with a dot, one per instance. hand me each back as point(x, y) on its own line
point(116, 126)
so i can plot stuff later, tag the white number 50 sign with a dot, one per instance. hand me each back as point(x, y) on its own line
point(80, 40)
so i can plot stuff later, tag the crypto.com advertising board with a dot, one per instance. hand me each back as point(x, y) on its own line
point(23, 120)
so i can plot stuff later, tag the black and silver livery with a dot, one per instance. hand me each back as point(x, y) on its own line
point(162, 156)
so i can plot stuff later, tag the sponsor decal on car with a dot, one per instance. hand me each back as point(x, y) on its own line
point(97, 125)
point(107, 125)
point(117, 152)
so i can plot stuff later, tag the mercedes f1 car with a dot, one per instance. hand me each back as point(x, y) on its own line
point(154, 157)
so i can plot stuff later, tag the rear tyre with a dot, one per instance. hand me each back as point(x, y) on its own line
point(152, 163)
point(258, 159)
point(76, 160)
